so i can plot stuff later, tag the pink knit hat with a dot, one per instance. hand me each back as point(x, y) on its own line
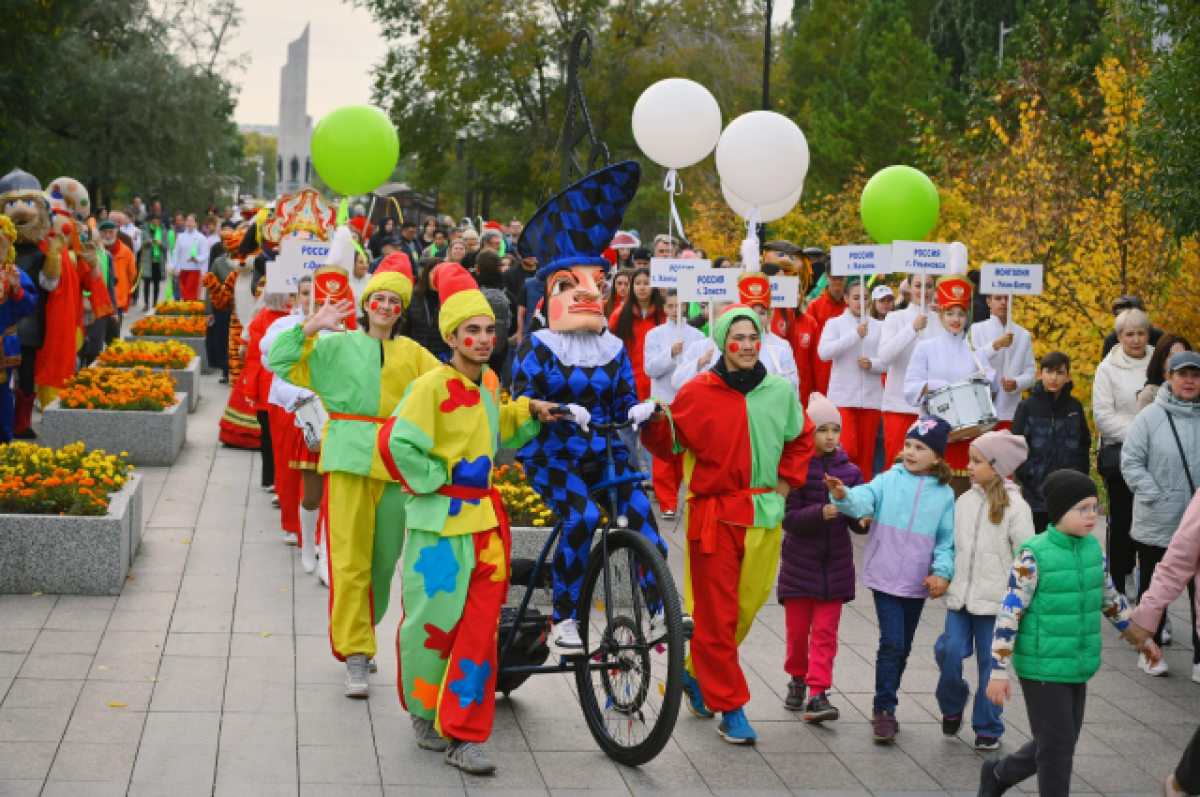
point(1004, 450)
point(821, 411)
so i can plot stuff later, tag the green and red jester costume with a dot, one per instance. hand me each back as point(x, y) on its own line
point(734, 513)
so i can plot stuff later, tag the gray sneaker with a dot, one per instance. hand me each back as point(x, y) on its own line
point(356, 675)
point(469, 757)
point(427, 736)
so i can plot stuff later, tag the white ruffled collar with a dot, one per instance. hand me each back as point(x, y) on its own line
point(581, 348)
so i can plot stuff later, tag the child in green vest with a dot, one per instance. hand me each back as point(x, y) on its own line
point(1048, 630)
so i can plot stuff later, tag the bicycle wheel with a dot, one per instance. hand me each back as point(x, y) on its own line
point(632, 701)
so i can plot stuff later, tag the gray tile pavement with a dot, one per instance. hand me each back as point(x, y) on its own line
point(211, 675)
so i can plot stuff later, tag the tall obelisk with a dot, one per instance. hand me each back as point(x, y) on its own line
point(294, 164)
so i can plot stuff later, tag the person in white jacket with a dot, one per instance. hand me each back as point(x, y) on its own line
point(1118, 379)
point(851, 342)
point(947, 359)
point(661, 354)
point(902, 331)
point(991, 521)
point(1009, 350)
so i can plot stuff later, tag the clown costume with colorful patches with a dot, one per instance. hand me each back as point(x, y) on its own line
point(360, 376)
point(440, 444)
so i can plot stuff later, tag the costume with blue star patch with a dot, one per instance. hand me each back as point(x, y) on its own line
point(440, 443)
point(578, 361)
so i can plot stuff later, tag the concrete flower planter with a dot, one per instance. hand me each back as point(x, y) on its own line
point(196, 345)
point(72, 555)
point(187, 380)
point(527, 542)
point(149, 438)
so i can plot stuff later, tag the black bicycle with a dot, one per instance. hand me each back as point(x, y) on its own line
point(629, 671)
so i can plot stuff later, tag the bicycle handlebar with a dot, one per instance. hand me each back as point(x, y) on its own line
point(610, 427)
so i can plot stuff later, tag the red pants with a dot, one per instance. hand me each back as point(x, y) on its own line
point(812, 627)
point(895, 427)
point(289, 483)
point(723, 592)
point(668, 475)
point(859, 429)
point(189, 285)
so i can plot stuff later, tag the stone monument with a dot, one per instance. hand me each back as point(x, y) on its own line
point(295, 125)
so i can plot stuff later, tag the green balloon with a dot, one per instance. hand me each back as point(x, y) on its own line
point(899, 203)
point(355, 149)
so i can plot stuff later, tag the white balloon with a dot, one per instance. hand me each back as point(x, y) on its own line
point(762, 156)
point(676, 122)
point(766, 213)
point(958, 258)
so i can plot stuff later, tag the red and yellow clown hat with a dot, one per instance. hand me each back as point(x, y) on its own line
point(954, 291)
point(754, 287)
point(394, 274)
point(460, 295)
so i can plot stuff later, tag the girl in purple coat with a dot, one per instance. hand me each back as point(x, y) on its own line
point(816, 574)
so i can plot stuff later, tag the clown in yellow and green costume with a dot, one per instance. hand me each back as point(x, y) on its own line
point(360, 379)
point(441, 443)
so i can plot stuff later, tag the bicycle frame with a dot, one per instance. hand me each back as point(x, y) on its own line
point(608, 484)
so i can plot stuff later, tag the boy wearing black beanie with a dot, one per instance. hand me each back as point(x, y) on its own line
point(1048, 629)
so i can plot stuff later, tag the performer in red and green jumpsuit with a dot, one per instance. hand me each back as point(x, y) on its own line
point(737, 482)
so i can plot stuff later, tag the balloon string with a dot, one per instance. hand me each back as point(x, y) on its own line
point(750, 261)
point(343, 213)
point(673, 185)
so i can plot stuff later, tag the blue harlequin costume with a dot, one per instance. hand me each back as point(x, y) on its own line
point(584, 368)
point(13, 309)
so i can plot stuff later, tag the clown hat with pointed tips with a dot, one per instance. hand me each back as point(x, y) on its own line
point(460, 295)
point(394, 274)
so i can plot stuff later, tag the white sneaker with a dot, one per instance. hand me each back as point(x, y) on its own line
point(668, 514)
point(275, 501)
point(1196, 673)
point(269, 488)
point(322, 568)
point(658, 628)
point(290, 538)
point(566, 635)
point(308, 527)
point(1158, 670)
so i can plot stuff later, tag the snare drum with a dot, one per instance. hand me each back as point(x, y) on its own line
point(311, 417)
point(966, 406)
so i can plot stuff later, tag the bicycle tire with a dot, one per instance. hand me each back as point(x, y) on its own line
point(671, 686)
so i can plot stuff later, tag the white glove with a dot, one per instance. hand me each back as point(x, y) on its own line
point(578, 415)
point(640, 413)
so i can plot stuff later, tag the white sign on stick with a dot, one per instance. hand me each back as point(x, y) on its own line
point(709, 285)
point(847, 261)
point(1010, 278)
point(912, 257)
point(785, 291)
point(297, 257)
point(665, 271)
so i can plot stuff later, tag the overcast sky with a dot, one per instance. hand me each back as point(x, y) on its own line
point(344, 44)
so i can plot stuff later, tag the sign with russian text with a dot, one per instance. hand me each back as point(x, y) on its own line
point(709, 285)
point(785, 291)
point(1016, 279)
point(298, 257)
point(847, 261)
point(912, 257)
point(665, 271)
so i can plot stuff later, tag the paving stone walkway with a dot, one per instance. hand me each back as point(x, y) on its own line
point(211, 675)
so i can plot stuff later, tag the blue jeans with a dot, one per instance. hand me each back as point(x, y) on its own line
point(898, 618)
point(966, 632)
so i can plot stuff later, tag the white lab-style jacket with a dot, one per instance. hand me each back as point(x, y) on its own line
point(1022, 368)
point(850, 385)
point(896, 344)
point(657, 361)
point(943, 361)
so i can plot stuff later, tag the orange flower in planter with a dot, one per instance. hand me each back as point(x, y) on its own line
point(147, 353)
point(185, 326)
point(127, 389)
point(179, 308)
point(43, 481)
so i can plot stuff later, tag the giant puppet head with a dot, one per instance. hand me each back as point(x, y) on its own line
point(568, 236)
point(784, 257)
point(302, 215)
point(21, 199)
point(69, 208)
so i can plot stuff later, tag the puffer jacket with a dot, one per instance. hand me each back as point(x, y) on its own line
point(1056, 429)
point(984, 551)
point(1152, 466)
point(818, 558)
point(421, 323)
point(1114, 393)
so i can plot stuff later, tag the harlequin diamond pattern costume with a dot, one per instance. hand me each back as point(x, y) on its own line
point(440, 444)
point(578, 361)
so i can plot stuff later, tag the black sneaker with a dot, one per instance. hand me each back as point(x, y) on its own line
point(990, 784)
point(819, 709)
point(986, 742)
point(795, 696)
point(950, 725)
